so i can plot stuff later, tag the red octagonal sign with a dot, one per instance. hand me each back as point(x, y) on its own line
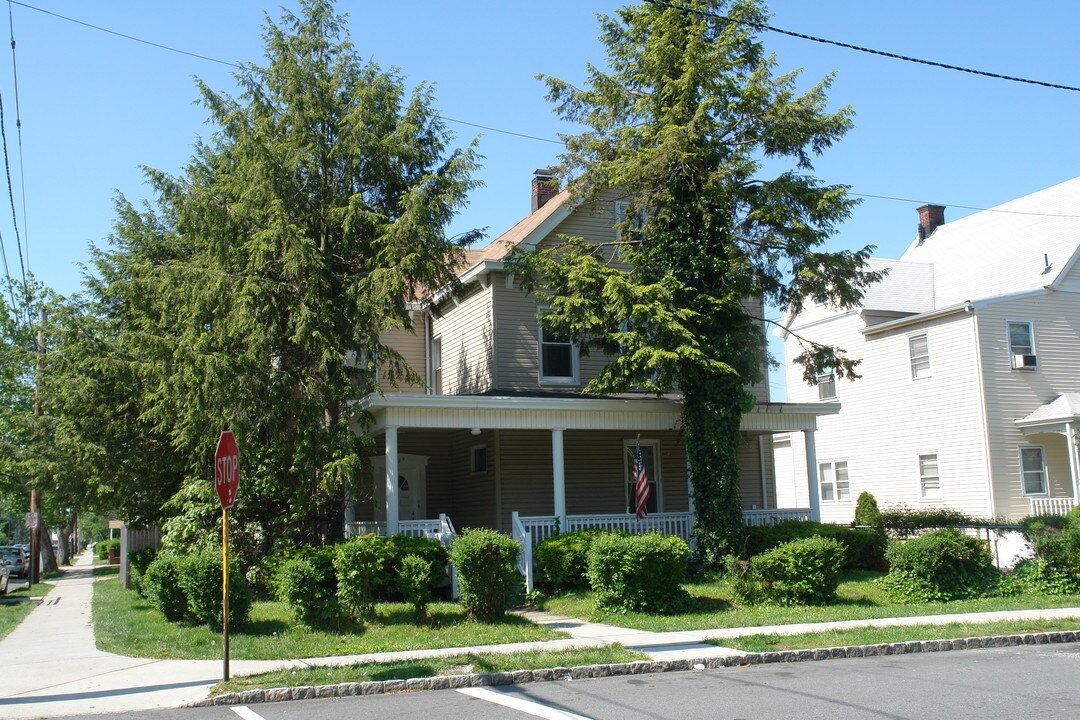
point(227, 469)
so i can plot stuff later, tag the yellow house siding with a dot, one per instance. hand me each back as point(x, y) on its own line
point(525, 474)
point(412, 347)
point(466, 331)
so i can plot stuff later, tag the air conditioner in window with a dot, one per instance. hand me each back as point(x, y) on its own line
point(1024, 362)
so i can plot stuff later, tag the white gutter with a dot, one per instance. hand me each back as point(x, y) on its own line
point(965, 307)
point(476, 272)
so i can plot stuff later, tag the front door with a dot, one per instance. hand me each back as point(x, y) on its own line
point(412, 487)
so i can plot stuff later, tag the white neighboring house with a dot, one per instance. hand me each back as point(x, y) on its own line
point(970, 389)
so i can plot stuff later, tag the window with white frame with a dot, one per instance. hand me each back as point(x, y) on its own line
point(650, 451)
point(919, 352)
point(1033, 470)
point(558, 357)
point(929, 477)
point(833, 481)
point(479, 459)
point(826, 386)
point(1021, 345)
point(622, 208)
point(436, 366)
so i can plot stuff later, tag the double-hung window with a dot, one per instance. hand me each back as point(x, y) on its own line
point(929, 477)
point(1033, 470)
point(833, 481)
point(558, 357)
point(1021, 345)
point(826, 386)
point(919, 352)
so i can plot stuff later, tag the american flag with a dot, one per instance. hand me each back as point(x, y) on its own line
point(641, 485)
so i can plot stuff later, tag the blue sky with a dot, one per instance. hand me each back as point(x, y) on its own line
point(95, 107)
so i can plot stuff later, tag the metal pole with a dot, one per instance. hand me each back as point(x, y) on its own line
point(225, 590)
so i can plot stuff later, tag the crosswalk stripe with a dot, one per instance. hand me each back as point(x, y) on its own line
point(245, 712)
point(518, 703)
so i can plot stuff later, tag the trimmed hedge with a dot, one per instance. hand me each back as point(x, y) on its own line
point(940, 565)
point(486, 562)
point(101, 549)
point(430, 550)
point(562, 561)
point(360, 564)
point(161, 583)
point(905, 522)
point(308, 584)
point(864, 548)
point(138, 562)
point(800, 572)
point(200, 578)
point(416, 578)
point(638, 573)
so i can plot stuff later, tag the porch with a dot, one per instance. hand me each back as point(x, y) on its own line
point(1049, 468)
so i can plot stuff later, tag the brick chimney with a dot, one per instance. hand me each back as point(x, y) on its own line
point(931, 217)
point(544, 187)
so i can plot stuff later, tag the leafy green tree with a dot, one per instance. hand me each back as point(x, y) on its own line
point(251, 294)
point(713, 152)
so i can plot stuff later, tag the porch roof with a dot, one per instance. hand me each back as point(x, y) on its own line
point(569, 413)
point(1053, 417)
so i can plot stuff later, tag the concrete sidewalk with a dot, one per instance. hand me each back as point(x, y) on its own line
point(52, 668)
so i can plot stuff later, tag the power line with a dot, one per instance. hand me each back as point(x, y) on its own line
point(965, 207)
point(18, 132)
point(860, 48)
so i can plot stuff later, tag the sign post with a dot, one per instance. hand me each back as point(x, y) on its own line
point(226, 482)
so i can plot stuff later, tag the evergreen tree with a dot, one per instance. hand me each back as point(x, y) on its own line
point(713, 151)
point(252, 293)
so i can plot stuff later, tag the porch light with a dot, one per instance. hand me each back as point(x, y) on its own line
point(475, 431)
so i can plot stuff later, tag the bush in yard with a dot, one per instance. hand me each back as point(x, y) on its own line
point(1059, 548)
point(138, 562)
point(486, 562)
point(1038, 576)
point(638, 573)
point(161, 585)
point(1034, 526)
point(416, 578)
point(101, 549)
point(361, 567)
point(1072, 518)
point(200, 578)
point(940, 565)
point(306, 582)
point(562, 561)
point(401, 546)
point(905, 522)
point(800, 572)
point(864, 547)
point(867, 512)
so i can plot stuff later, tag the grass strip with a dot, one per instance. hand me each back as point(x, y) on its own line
point(713, 605)
point(126, 624)
point(429, 667)
point(876, 635)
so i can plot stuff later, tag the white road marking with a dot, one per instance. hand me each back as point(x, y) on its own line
point(245, 712)
point(517, 703)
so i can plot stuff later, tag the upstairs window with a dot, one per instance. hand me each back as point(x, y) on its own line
point(558, 357)
point(833, 481)
point(622, 207)
point(929, 479)
point(1022, 345)
point(826, 386)
point(1033, 470)
point(919, 352)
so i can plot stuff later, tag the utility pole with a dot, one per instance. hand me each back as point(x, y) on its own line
point(35, 494)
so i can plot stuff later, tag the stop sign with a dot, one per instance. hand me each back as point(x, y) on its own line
point(226, 469)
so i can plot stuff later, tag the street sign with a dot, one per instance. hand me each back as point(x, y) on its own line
point(32, 520)
point(226, 469)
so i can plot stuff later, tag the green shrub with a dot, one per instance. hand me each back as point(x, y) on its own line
point(486, 563)
point(307, 583)
point(401, 546)
point(200, 579)
point(741, 583)
point(1039, 576)
point(638, 573)
point(416, 578)
point(138, 562)
point(1059, 548)
point(1034, 526)
point(161, 584)
point(101, 549)
point(905, 522)
point(562, 561)
point(1072, 518)
point(361, 567)
point(800, 572)
point(864, 547)
point(940, 565)
point(867, 513)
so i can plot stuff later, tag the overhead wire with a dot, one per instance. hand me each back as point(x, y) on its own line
point(18, 132)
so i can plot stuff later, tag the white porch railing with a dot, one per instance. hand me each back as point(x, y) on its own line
point(525, 560)
point(1052, 506)
point(758, 518)
point(664, 523)
point(439, 528)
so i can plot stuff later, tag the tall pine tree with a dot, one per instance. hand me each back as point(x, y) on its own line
point(713, 151)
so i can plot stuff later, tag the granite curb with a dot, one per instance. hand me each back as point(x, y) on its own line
point(639, 667)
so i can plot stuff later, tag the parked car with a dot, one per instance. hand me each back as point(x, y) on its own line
point(16, 560)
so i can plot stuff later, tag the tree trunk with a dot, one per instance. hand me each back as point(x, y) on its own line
point(48, 557)
point(63, 544)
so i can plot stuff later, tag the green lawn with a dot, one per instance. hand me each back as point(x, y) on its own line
point(11, 614)
point(874, 636)
point(455, 665)
point(126, 624)
point(858, 598)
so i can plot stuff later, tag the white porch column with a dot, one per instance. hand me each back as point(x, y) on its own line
point(391, 480)
point(1074, 464)
point(812, 476)
point(558, 477)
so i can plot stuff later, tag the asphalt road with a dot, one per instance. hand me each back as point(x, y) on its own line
point(1033, 681)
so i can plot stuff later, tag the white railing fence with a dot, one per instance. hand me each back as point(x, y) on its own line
point(525, 560)
point(678, 524)
point(1052, 506)
point(759, 518)
point(439, 528)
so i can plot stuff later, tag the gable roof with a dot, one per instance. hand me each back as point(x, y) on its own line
point(1004, 250)
point(531, 229)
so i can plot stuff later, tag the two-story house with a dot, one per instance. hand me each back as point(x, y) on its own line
point(501, 436)
point(970, 388)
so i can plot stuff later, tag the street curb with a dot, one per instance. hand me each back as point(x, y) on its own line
point(582, 672)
